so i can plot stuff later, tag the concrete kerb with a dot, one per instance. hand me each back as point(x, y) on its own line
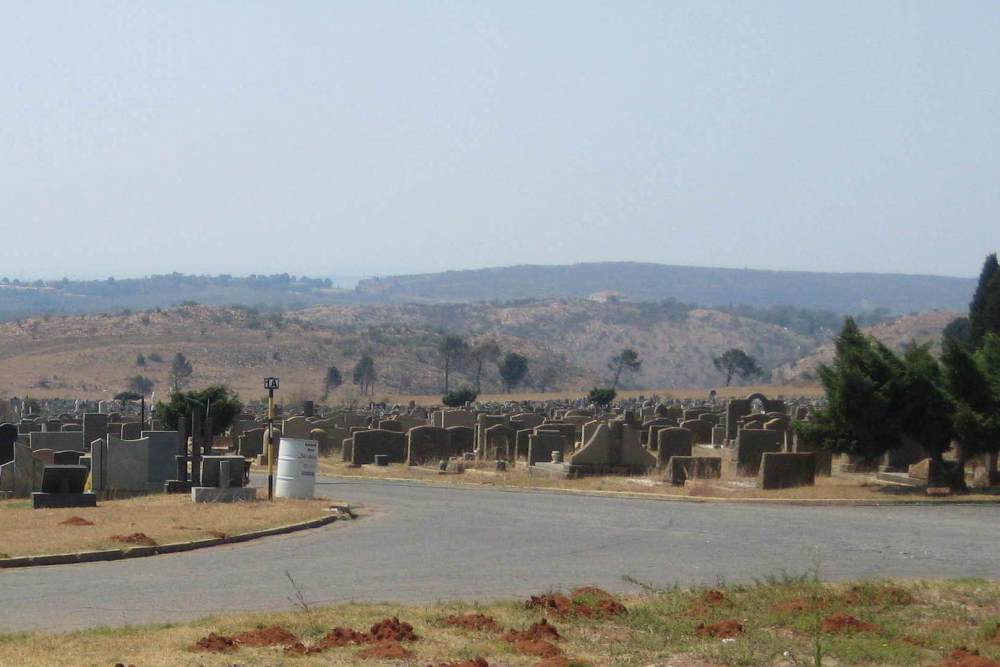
point(176, 547)
point(637, 495)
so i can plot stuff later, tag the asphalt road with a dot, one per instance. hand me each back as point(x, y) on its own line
point(425, 543)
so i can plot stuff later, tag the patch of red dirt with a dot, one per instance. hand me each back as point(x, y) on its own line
point(841, 622)
point(140, 539)
point(540, 630)
point(76, 521)
point(392, 629)
point(721, 630)
point(536, 647)
point(272, 636)
point(714, 597)
point(475, 662)
point(214, 643)
point(963, 657)
point(340, 637)
point(798, 605)
point(473, 622)
point(386, 650)
point(588, 601)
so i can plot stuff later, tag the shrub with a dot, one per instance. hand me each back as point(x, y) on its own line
point(459, 397)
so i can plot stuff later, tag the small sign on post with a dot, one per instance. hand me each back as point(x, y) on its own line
point(270, 384)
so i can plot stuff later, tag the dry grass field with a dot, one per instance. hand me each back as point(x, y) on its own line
point(164, 519)
point(781, 622)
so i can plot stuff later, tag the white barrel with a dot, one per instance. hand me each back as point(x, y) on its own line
point(296, 468)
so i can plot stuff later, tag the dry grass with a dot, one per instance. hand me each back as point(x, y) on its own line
point(838, 487)
point(164, 518)
point(914, 624)
point(810, 390)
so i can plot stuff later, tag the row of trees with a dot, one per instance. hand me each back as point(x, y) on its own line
point(878, 400)
point(456, 352)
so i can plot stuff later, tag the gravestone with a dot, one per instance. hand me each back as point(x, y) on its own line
point(213, 467)
point(63, 486)
point(369, 443)
point(673, 442)
point(94, 426)
point(498, 443)
point(679, 469)
point(426, 444)
point(57, 440)
point(66, 457)
point(21, 475)
point(8, 436)
point(296, 427)
point(250, 442)
point(751, 444)
point(541, 444)
point(782, 470)
point(462, 439)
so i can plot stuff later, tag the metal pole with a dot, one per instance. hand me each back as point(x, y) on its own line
point(270, 444)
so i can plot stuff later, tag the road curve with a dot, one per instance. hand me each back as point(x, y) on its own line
point(429, 542)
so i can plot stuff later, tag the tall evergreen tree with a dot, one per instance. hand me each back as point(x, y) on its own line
point(984, 310)
point(877, 400)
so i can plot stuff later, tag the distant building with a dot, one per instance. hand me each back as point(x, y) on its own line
point(607, 296)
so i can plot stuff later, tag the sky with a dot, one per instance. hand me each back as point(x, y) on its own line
point(372, 138)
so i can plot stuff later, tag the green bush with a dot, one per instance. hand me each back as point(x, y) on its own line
point(602, 397)
point(459, 397)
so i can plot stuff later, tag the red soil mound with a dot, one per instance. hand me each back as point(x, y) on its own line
point(392, 629)
point(386, 650)
point(340, 637)
point(714, 597)
point(473, 622)
point(272, 636)
point(536, 647)
point(588, 601)
point(140, 539)
point(962, 657)
point(540, 630)
point(476, 662)
point(720, 630)
point(840, 622)
point(214, 643)
point(76, 521)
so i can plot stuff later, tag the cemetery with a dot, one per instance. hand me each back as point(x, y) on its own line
point(103, 481)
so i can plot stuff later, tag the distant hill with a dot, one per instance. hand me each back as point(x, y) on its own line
point(838, 292)
point(740, 292)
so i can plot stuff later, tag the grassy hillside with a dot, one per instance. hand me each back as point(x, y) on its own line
point(568, 344)
point(839, 292)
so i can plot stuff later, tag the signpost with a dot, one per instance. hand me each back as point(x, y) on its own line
point(270, 384)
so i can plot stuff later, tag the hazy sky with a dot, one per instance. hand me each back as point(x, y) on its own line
point(371, 138)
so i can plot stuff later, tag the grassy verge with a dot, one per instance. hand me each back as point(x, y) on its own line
point(788, 622)
point(162, 519)
point(839, 487)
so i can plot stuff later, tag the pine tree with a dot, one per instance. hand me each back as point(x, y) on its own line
point(984, 310)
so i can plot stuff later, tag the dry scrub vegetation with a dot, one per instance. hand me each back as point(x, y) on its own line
point(782, 623)
point(119, 524)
